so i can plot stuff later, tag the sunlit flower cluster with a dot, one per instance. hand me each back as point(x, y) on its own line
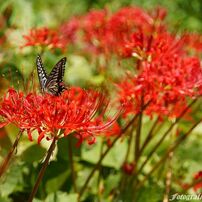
point(106, 33)
point(68, 31)
point(154, 77)
point(166, 74)
point(44, 37)
point(99, 31)
point(75, 111)
point(193, 41)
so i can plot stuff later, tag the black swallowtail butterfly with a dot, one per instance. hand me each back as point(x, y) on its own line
point(51, 83)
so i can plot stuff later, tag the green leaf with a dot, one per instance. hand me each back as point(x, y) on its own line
point(33, 153)
point(5, 143)
point(37, 200)
point(82, 176)
point(13, 180)
point(56, 183)
point(113, 159)
point(4, 199)
point(191, 145)
point(151, 193)
point(61, 197)
point(110, 183)
point(117, 155)
point(63, 145)
point(56, 175)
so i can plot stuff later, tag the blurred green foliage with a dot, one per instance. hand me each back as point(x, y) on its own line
point(57, 183)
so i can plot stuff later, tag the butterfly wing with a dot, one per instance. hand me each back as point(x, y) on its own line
point(54, 84)
point(41, 73)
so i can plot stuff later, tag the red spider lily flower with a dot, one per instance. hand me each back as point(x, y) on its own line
point(159, 13)
point(198, 176)
point(164, 83)
point(193, 41)
point(75, 111)
point(68, 30)
point(12, 108)
point(166, 75)
point(93, 26)
point(106, 34)
point(130, 18)
point(44, 37)
point(151, 46)
point(122, 24)
point(113, 131)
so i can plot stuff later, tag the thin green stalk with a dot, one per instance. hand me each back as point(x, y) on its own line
point(168, 178)
point(124, 176)
point(10, 153)
point(71, 161)
point(43, 168)
point(137, 139)
point(165, 135)
point(106, 152)
point(147, 140)
point(103, 156)
point(149, 136)
point(99, 171)
point(138, 133)
point(129, 144)
point(97, 166)
point(171, 149)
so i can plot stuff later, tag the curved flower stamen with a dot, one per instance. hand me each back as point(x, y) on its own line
point(75, 111)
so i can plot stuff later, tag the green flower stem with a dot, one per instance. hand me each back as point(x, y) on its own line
point(124, 176)
point(168, 180)
point(100, 167)
point(129, 143)
point(171, 149)
point(165, 135)
point(106, 152)
point(43, 168)
point(10, 154)
point(71, 161)
point(103, 156)
point(149, 136)
point(138, 133)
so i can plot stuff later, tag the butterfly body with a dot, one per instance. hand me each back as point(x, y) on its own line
point(51, 83)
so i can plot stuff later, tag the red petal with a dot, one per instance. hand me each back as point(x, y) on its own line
point(3, 124)
point(29, 135)
point(41, 136)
